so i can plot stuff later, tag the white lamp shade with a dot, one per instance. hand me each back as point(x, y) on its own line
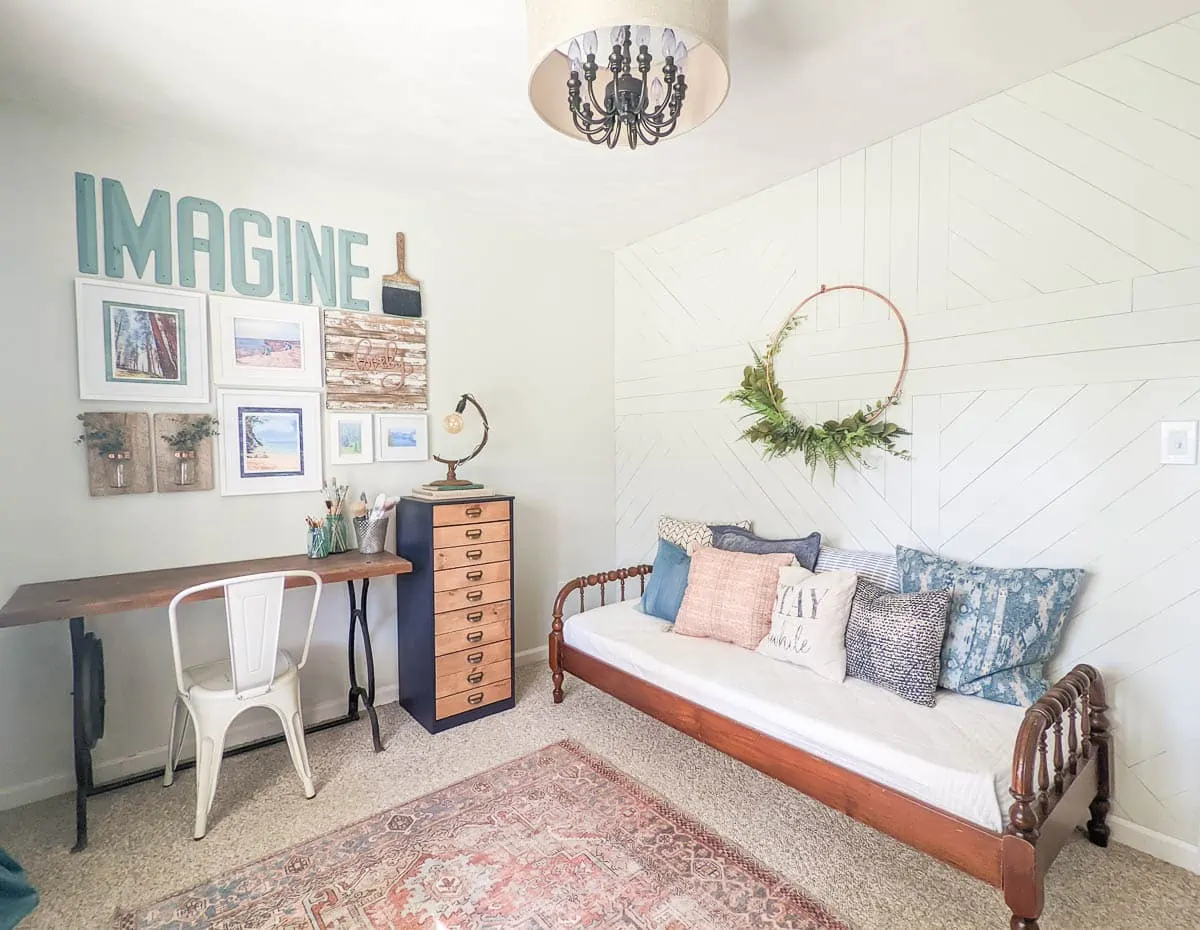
point(553, 23)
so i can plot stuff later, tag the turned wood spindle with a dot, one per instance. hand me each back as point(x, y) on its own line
point(1043, 776)
point(602, 590)
point(1058, 755)
point(1085, 723)
point(1072, 740)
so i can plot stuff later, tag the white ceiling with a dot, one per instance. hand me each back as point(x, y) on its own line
point(431, 93)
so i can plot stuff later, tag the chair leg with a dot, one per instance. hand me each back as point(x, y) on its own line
point(175, 746)
point(293, 729)
point(210, 747)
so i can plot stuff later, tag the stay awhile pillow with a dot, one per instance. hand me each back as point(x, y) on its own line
point(1005, 623)
point(729, 596)
point(808, 620)
point(690, 535)
point(736, 539)
point(664, 590)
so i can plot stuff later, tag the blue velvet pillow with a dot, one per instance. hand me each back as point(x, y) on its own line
point(1005, 623)
point(736, 539)
point(664, 590)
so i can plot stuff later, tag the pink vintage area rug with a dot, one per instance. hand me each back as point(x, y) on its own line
point(558, 839)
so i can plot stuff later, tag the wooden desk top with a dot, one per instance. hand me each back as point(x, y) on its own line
point(110, 594)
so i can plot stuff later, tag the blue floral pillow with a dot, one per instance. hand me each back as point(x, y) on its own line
point(1005, 623)
point(664, 590)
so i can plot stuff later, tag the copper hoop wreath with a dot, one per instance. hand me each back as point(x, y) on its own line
point(895, 311)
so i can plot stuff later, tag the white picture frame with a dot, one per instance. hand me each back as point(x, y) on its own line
point(1178, 444)
point(342, 430)
point(266, 344)
point(141, 344)
point(401, 437)
point(270, 442)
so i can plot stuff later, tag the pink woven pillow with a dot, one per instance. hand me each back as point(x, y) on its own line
point(729, 596)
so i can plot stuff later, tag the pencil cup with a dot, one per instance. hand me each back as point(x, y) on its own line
point(371, 533)
point(318, 542)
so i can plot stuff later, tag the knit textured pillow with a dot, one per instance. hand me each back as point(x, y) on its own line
point(729, 596)
point(895, 640)
point(690, 535)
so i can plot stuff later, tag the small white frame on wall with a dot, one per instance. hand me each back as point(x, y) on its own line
point(140, 343)
point(265, 343)
point(350, 438)
point(401, 437)
point(270, 442)
point(1178, 443)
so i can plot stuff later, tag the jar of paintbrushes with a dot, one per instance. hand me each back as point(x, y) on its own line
point(318, 538)
point(335, 522)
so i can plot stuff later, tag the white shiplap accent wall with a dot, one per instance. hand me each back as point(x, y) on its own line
point(1045, 247)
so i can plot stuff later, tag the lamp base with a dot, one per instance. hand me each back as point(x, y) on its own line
point(453, 483)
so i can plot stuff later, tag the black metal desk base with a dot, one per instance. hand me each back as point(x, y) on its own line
point(87, 668)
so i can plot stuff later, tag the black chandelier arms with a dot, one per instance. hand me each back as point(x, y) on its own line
point(629, 102)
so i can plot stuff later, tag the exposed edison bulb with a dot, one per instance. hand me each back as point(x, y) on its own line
point(453, 423)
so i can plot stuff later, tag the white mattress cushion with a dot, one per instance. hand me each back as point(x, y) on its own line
point(956, 756)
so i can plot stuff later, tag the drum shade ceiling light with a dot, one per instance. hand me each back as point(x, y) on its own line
point(638, 70)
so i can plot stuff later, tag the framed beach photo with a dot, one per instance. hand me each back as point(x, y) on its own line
point(264, 343)
point(270, 443)
point(350, 438)
point(401, 437)
point(140, 343)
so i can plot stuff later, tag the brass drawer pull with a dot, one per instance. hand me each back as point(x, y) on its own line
point(474, 511)
point(475, 617)
point(475, 658)
point(476, 698)
point(475, 678)
point(474, 595)
point(474, 534)
point(474, 636)
point(474, 554)
point(475, 576)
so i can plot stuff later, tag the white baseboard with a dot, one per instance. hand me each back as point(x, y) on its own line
point(110, 770)
point(539, 655)
point(1153, 843)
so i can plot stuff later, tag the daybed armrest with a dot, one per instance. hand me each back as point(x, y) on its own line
point(1077, 705)
point(621, 575)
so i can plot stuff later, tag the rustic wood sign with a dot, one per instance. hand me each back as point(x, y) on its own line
point(374, 362)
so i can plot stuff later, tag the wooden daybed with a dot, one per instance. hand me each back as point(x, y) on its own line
point(1060, 767)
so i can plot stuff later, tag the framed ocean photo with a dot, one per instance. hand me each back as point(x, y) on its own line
point(350, 438)
point(270, 443)
point(401, 437)
point(265, 343)
point(141, 343)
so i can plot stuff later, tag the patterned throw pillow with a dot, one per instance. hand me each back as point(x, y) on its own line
point(736, 539)
point(1005, 623)
point(690, 535)
point(729, 596)
point(895, 640)
point(808, 621)
point(664, 590)
point(878, 567)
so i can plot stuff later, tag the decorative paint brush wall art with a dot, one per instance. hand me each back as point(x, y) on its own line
point(141, 344)
point(374, 362)
point(262, 343)
point(117, 446)
point(183, 451)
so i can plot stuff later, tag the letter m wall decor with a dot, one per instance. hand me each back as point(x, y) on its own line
point(374, 362)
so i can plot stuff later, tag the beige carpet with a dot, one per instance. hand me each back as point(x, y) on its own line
point(141, 848)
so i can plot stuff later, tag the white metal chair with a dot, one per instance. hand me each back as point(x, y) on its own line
point(256, 674)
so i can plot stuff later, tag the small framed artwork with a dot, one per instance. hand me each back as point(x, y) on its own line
point(1179, 443)
point(401, 437)
point(351, 438)
point(270, 443)
point(264, 343)
point(140, 343)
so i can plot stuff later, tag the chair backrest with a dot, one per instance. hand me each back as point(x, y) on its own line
point(253, 609)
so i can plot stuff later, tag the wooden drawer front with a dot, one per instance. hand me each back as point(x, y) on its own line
point(466, 639)
point(453, 537)
point(469, 700)
point(474, 596)
point(472, 617)
point(471, 555)
point(473, 680)
point(481, 512)
point(451, 579)
point(469, 659)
